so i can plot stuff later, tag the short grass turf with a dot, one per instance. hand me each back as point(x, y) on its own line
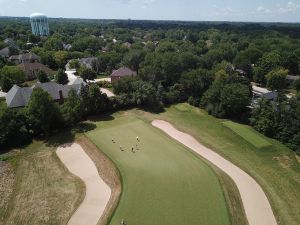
point(247, 134)
point(163, 182)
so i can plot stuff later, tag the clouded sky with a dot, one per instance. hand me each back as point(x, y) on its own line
point(196, 10)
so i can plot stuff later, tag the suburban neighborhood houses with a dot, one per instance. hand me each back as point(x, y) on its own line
point(149, 122)
point(121, 73)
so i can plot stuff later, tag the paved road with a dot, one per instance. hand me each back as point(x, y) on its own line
point(256, 204)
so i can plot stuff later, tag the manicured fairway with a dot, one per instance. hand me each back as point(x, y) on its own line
point(163, 182)
point(247, 134)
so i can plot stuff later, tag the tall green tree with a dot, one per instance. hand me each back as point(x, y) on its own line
point(134, 58)
point(10, 75)
point(72, 109)
point(61, 77)
point(196, 82)
point(98, 102)
point(13, 127)
point(43, 113)
point(276, 79)
point(42, 77)
point(87, 73)
point(234, 99)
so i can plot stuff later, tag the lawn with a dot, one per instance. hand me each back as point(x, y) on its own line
point(275, 168)
point(163, 182)
point(248, 134)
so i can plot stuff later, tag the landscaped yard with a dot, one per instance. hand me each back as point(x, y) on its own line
point(163, 182)
point(248, 134)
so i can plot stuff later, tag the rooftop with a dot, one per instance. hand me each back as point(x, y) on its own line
point(293, 77)
point(19, 97)
point(122, 72)
point(260, 90)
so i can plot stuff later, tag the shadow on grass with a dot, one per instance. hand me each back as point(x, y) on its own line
point(61, 138)
point(104, 117)
point(68, 136)
point(155, 109)
point(84, 127)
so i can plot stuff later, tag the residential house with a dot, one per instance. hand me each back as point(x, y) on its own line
point(259, 92)
point(31, 69)
point(5, 52)
point(24, 58)
point(88, 62)
point(122, 72)
point(20, 96)
point(11, 43)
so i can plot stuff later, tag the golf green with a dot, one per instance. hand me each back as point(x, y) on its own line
point(163, 182)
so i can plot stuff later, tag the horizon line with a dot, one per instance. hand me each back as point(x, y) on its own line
point(162, 20)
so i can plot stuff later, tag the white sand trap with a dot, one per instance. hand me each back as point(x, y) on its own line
point(256, 204)
point(97, 191)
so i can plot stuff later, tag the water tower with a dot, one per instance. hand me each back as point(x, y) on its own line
point(39, 24)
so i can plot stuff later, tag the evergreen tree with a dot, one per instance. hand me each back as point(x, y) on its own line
point(42, 77)
point(61, 77)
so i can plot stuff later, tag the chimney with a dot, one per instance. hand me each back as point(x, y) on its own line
point(61, 97)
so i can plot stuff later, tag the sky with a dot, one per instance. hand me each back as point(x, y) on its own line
point(189, 10)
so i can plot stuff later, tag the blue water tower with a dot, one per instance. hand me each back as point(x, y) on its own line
point(39, 24)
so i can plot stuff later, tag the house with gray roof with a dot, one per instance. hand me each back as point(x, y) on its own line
point(24, 58)
point(5, 52)
point(88, 62)
point(20, 96)
point(292, 78)
point(11, 43)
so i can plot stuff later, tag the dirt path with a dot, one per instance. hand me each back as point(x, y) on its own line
point(256, 204)
point(97, 191)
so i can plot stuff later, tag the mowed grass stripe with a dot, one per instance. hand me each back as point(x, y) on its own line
point(247, 134)
point(163, 182)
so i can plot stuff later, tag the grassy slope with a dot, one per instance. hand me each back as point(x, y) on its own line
point(44, 191)
point(248, 134)
point(163, 183)
point(275, 168)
